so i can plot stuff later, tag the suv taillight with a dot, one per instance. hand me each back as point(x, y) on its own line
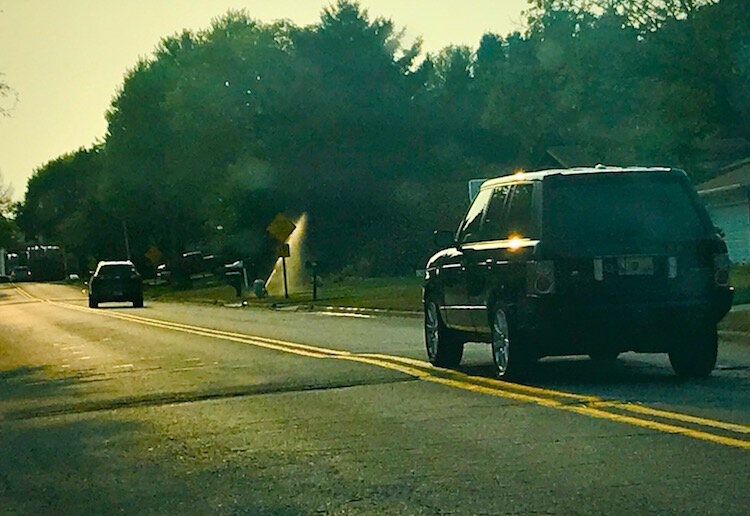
point(541, 277)
point(721, 269)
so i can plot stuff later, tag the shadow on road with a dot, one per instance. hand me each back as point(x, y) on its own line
point(647, 380)
point(121, 306)
point(115, 461)
point(34, 383)
point(583, 371)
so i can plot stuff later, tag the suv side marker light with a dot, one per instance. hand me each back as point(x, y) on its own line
point(598, 269)
point(542, 277)
point(672, 267)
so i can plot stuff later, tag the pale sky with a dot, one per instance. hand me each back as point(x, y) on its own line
point(66, 58)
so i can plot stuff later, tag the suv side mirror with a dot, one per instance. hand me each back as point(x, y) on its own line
point(444, 239)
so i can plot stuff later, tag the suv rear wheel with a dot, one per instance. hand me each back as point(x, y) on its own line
point(444, 346)
point(510, 358)
point(694, 356)
point(93, 303)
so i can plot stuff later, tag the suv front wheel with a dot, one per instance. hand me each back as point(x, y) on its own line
point(694, 356)
point(444, 347)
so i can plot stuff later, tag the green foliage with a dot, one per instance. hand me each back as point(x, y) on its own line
point(61, 206)
point(221, 129)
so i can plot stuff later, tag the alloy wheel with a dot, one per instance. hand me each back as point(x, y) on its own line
point(432, 329)
point(500, 342)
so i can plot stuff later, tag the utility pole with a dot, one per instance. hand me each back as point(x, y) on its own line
point(127, 243)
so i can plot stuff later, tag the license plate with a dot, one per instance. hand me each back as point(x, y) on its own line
point(635, 266)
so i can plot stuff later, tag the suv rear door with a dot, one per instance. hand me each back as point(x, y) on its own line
point(496, 265)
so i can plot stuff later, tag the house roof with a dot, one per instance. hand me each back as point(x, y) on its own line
point(736, 174)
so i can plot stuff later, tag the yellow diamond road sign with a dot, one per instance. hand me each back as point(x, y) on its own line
point(281, 227)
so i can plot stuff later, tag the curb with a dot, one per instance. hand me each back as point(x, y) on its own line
point(369, 311)
point(734, 333)
point(347, 310)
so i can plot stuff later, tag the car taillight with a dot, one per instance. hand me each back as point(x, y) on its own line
point(721, 269)
point(541, 277)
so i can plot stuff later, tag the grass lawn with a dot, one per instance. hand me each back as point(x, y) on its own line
point(740, 280)
point(736, 321)
point(393, 294)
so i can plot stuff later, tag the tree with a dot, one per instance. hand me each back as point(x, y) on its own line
point(60, 206)
point(8, 98)
point(6, 196)
point(7, 225)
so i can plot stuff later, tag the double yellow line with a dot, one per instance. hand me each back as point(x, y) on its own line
point(25, 294)
point(719, 432)
point(27, 298)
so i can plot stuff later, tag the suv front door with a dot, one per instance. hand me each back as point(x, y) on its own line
point(456, 309)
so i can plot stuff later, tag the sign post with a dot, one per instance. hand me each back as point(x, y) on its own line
point(283, 252)
point(281, 228)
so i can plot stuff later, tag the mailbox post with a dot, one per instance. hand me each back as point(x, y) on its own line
point(312, 267)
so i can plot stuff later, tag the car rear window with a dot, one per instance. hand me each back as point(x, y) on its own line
point(115, 271)
point(606, 210)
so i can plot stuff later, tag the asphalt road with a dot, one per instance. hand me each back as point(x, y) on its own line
point(179, 408)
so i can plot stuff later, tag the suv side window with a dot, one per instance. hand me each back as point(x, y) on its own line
point(520, 214)
point(495, 224)
point(469, 231)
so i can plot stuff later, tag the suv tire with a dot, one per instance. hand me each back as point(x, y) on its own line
point(138, 302)
point(694, 356)
point(511, 359)
point(93, 303)
point(444, 346)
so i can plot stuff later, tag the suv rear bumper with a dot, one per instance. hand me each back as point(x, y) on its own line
point(124, 293)
point(559, 329)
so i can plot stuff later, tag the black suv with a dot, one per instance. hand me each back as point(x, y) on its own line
point(593, 261)
point(116, 281)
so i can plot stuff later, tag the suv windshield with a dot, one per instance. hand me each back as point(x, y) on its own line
point(598, 212)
